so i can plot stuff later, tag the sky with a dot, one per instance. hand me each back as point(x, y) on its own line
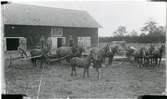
point(112, 14)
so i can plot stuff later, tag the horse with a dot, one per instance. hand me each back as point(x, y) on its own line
point(150, 54)
point(105, 52)
point(161, 51)
point(157, 54)
point(130, 52)
point(140, 56)
point(63, 52)
point(41, 53)
point(101, 53)
point(77, 51)
point(85, 63)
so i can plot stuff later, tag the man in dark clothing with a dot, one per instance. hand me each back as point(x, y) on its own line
point(71, 41)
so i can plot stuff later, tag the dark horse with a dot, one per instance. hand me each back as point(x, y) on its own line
point(85, 63)
point(66, 53)
point(157, 54)
point(77, 51)
point(106, 52)
point(41, 56)
point(140, 56)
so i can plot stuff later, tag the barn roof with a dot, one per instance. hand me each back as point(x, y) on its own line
point(19, 14)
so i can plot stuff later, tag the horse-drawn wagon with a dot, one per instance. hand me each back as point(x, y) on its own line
point(146, 56)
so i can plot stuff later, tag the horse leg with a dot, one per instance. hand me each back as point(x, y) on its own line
point(156, 61)
point(98, 73)
point(159, 60)
point(68, 59)
point(138, 61)
point(152, 59)
point(41, 61)
point(148, 60)
point(87, 69)
point(103, 60)
point(110, 60)
point(84, 72)
point(75, 71)
point(72, 68)
point(35, 62)
point(141, 61)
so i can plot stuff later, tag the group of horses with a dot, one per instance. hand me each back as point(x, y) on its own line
point(95, 58)
point(146, 55)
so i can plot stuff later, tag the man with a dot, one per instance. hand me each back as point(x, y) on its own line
point(71, 41)
point(42, 41)
point(49, 44)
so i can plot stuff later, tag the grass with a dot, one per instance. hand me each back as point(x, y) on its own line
point(120, 80)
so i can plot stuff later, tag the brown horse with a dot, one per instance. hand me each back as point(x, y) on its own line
point(41, 53)
point(157, 54)
point(83, 62)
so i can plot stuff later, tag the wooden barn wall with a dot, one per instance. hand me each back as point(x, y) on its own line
point(32, 33)
point(82, 32)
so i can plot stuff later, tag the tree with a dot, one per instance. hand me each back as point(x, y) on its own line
point(149, 27)
point(121, 31)
point(142, 34)
point(161, 30)
point(133, 33)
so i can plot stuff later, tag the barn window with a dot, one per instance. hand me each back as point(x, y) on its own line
point(12, 43)
point(56, 31)
point(57, 42)
point(84, 41)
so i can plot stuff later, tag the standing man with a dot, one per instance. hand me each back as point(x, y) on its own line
point(49, 44)
point(71, 41)
point(42, 41)
point(110, 54)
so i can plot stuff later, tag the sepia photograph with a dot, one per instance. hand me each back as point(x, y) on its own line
point(83, 49)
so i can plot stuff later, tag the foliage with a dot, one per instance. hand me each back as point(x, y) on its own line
point(120, 31)
point(151, 33)
point(135, 39)
point(149, 27)
point(133, 33)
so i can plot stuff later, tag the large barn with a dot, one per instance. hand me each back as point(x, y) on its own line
point(28, 23)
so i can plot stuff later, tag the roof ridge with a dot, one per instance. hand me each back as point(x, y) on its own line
point(43, 6)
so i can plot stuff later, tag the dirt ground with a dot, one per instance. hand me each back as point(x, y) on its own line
point(122, 79)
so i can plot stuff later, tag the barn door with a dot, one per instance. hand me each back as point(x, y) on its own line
point(84, 42)
point(57, 42)
point(23, 43)
point(12, 43)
